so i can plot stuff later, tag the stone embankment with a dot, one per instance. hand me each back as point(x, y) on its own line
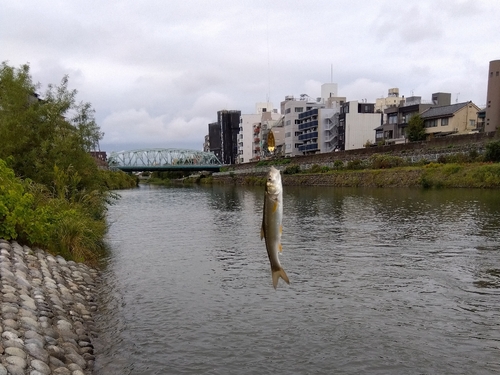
point(413, 152)
point(47, 305)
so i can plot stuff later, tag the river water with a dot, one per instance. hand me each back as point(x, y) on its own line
point(381, 282)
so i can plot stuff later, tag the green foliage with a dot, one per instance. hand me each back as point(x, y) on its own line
point(384, 161)
point(115, 180)
point(338, 164)
point(280, 161)
point(59, 199)
point(292, 169)
point(415, 131)
point(492, 152)
point(355, 164)
point(30, 214)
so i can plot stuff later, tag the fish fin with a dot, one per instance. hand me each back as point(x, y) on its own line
point(276, 204)
point(280, 248)
point(281, 229)
point(277, 274)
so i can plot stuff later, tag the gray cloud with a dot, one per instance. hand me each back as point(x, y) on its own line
point(157, 72)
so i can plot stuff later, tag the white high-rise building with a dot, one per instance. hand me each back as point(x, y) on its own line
point(311, 126)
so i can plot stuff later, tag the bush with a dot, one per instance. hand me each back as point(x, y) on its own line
point(292, 169)
point(355, 164)
point(492, 152)
point(338, 164)
point(384, 161)
point(315, 169)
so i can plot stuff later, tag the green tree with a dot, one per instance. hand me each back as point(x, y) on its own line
point(415, 131)
point(41, 133)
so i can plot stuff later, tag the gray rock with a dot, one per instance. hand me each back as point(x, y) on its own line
point(10, 336)
point(64, 325)
point(30, 304)
point(16, 361)
point(11, 323)
point(17, 352)
point(37, 352)
point(33, 335)
point(74, 367)
point(29, 323)
point(77, 372)
point(61, 371)
point(78, 359)
point(9, 309)
point(10, 297)
point(13, 343)
point(14, 370)
point(56, 352)
point(56, 362)
point(3, 370)
point(40, 366)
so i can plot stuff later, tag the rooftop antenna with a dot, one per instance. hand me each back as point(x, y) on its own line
point(456, 100)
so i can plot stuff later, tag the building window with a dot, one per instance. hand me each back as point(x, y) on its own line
point(472, 123)
point(430, 123)
point(444, 121)
point(288, 134)
point(288, 122)
point(301, 109)
point(287, 110)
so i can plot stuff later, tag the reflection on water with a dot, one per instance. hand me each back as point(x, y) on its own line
point(382, 282)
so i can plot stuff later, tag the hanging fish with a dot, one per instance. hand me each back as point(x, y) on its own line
point(272, 223)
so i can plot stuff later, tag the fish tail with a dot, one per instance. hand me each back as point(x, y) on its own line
point(277, 274)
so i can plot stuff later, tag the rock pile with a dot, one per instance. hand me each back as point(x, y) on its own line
point(46, 322)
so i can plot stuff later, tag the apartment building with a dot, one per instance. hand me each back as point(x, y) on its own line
point(396, 118)
point(297, 142)
point(458, 118)
point(251, 139)
point(357, 124)
point(492, 118)
point(392, 100)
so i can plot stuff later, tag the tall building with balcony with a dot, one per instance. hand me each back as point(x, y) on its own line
point(311, 130)
point(291, 108)
point(492, 120)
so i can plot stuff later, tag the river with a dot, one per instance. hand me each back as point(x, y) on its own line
point(382, 281)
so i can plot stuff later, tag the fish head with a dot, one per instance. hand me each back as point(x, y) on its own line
point(273, 181)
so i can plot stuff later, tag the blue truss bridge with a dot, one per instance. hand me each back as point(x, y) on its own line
point(164, 159)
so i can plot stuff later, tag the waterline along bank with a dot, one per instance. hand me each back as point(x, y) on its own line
point(47, 307)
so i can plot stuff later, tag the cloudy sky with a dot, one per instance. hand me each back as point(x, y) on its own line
point(157, 71)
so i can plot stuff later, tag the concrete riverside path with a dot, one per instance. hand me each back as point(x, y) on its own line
point(47, 307)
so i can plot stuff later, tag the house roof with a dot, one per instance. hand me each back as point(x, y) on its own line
point(443, 111)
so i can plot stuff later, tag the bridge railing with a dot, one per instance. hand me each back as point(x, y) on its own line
point(163, 159)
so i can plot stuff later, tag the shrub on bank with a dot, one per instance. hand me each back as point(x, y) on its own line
point(492, 152)
point(292, 169)
point(31, 214)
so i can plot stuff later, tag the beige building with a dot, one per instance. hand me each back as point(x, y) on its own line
point(492, 121)
point(459, 118)
point(392, 100)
